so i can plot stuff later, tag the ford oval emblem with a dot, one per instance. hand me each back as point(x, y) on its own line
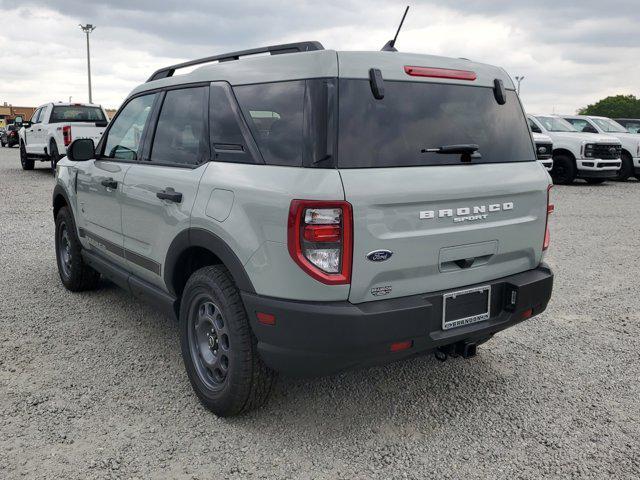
point(379, 255)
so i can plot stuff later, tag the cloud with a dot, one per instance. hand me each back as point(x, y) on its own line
point(571, 53)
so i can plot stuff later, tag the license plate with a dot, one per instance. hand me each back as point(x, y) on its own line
point(466, 307)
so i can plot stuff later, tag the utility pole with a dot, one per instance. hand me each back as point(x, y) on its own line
point(519, 79)
point(88, 28)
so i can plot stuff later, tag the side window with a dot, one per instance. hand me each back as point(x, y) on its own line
point(534, 128)
point(36, 115)
point(123, 139)
point(275, 114)
point(580, 125)
point(230, 137)
point(182, 135)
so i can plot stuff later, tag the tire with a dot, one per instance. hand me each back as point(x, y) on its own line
point(54, 156)
point(564, 170)
point(595, 181)
point(27, 164)
point(74, 273)
point(626, 170)
point(3, 144)
point(219, 348)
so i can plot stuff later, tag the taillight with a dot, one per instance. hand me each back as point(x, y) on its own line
point(66, 135)
point(320, 239)
point(440, 73)
point(550, 209)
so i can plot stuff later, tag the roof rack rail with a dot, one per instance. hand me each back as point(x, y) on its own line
point(226, 57)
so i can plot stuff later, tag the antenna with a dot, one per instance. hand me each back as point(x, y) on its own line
point(390, 45)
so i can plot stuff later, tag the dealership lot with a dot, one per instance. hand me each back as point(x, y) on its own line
point(92, 385)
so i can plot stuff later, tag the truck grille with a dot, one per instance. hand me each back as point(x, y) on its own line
point(607, 152)
point(544, 150)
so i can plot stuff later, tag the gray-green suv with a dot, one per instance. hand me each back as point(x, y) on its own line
point(311, 211)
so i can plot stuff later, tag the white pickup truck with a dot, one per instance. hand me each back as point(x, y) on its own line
point(606, 126)
point(578, 155)
point(54, 126)
point(544, 149)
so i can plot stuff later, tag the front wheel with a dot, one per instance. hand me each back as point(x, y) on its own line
point(564, 170)
point(219, 348)
point(75, 274)
point(626, 169)
point(27, 164)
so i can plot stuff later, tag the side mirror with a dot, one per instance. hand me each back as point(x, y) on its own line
point(81, 150)
point(25, 124)
point(589, 129)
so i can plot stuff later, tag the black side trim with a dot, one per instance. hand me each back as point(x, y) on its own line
point(133, 257)
point(196, 237)
point(58, 191)
point(139, 288)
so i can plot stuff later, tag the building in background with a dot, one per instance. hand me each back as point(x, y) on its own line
point(9, 112)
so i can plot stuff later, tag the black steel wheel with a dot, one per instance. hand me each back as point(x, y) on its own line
point(626, 169)
point(74, 273)
point(219, 348)
point(209, 342)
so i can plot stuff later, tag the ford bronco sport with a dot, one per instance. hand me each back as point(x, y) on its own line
point(311, 211)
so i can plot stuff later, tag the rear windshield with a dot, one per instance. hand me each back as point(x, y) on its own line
point(77, 113)
point(412, 117)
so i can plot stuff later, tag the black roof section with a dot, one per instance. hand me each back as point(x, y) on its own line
point(226, 57)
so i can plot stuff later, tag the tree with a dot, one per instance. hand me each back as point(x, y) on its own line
point(619, 106)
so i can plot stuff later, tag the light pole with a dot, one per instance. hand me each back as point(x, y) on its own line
point(88, 28)
point(519, 79)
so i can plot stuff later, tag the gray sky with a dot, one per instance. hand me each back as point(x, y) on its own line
point(571, 53)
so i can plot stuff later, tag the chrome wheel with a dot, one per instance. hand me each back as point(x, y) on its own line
point(209, 343)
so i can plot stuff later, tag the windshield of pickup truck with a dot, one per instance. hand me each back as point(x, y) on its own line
point(609, 126)
point(414, 120)
point(77, 113)
point(553, 124)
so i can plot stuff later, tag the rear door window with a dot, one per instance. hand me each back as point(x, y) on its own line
point(415, 116)
point(182, 135)
point(230, 137)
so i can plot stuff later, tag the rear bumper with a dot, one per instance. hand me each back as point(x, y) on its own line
point(318, 338)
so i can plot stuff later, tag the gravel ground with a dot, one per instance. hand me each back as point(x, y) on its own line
point(92, 385)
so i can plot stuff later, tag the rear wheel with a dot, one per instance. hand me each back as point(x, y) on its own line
point(218, 347)
point(564, 170)
point(75, 274)
point(595, 181)
point(54, 156)
point(626, 170)
point(26, 163)
point(2, 142)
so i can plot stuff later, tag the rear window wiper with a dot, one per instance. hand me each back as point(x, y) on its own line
point(468, 151)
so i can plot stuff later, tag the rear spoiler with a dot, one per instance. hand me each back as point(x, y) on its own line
point(226, 57)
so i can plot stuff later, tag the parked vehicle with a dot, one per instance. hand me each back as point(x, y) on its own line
point(53, 127)
point(605, 126)
point(631, 124)
point(289, 238)
point(578, 155)
point(9, 136)
point(544, 149)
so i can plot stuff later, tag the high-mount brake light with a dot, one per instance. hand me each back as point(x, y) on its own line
point(66, 135)
point(440, 73)
point(550, 210)
point(320, 239)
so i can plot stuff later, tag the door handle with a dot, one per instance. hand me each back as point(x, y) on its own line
point(109, 183)
point(170, 194)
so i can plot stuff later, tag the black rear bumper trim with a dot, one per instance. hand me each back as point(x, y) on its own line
point(316, 338)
